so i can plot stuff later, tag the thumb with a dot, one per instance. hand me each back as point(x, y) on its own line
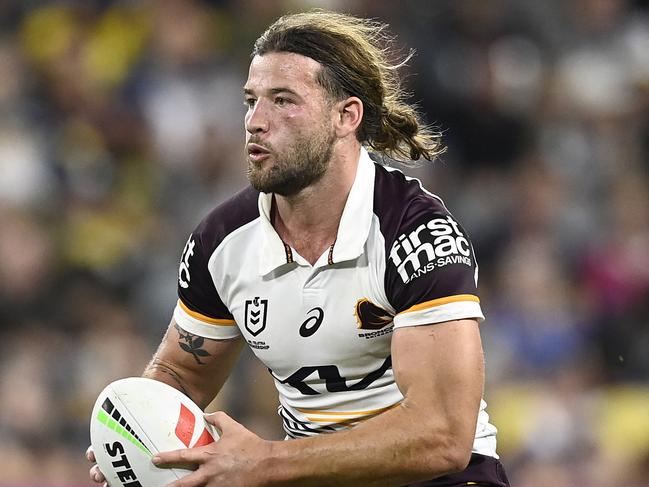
point(221, 421)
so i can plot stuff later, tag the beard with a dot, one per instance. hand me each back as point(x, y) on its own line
point(299, 166)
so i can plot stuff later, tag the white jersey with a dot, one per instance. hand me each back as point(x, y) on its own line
point(324, 331)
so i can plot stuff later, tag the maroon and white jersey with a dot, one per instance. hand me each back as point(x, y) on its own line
point(324, 331)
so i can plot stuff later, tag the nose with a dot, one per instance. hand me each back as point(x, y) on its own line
point(257, 118)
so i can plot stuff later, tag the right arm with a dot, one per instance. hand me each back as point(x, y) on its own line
point(194, 365)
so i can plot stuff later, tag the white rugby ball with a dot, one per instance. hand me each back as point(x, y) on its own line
point(135, 418)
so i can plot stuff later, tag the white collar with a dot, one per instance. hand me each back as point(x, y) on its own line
point(353, 229)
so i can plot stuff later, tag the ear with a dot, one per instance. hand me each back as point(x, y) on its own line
point(348, 116)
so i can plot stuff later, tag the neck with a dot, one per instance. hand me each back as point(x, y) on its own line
point(311, 217)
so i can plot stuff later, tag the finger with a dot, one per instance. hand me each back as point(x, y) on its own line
point(90, 454)
point(96, 475)
point(185, 458)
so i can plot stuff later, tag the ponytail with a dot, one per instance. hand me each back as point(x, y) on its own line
point(401, 135)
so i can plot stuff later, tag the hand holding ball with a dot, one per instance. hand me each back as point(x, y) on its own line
point(135, 418)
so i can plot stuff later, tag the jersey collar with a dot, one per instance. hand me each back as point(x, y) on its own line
point(353, 229)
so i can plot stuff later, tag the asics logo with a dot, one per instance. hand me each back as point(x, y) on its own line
point(312, 323)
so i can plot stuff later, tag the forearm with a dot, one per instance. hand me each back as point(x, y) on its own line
point(170, 374)
point(398, 447)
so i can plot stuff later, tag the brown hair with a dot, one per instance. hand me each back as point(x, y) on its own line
point(354, 56)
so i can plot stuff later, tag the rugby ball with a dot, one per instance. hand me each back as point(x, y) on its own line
point(135, 418)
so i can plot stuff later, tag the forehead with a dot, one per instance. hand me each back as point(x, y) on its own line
point(283, 70)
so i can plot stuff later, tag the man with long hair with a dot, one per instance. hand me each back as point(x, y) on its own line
point(350, 282)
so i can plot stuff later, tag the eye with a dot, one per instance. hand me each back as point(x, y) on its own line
point(281, 101)
point(249, 102)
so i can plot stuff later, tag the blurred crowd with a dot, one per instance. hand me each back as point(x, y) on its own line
point(121, 125)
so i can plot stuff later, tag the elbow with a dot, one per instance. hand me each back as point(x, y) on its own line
point(457, 459)
point(449, 455)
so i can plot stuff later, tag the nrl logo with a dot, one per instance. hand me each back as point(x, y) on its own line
point(256, 315)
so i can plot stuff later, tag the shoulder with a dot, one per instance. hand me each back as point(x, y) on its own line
point(400, 200)
point(430, 269)
point(232, 214)
point(200, 301)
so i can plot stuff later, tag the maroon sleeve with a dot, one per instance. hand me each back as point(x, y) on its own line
point(430, 257)
point(196, 288)
point(428, 254)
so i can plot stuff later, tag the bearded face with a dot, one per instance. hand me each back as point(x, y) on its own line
point(290, 169)
point(290, 136)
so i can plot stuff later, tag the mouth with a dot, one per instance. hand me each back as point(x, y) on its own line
point(257, 153)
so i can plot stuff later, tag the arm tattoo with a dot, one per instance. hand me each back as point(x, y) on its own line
point(192, 344)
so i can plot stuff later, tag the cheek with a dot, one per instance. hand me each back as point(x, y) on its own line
point(287, 120)
point(301, 120)
point(297, 115)
point(288, 127)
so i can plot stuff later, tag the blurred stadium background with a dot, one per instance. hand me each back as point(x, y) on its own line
point(121, 124)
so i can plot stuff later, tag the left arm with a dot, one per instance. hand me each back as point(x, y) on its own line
point(440, 372)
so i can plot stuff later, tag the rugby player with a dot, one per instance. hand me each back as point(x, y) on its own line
point(354, 285)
